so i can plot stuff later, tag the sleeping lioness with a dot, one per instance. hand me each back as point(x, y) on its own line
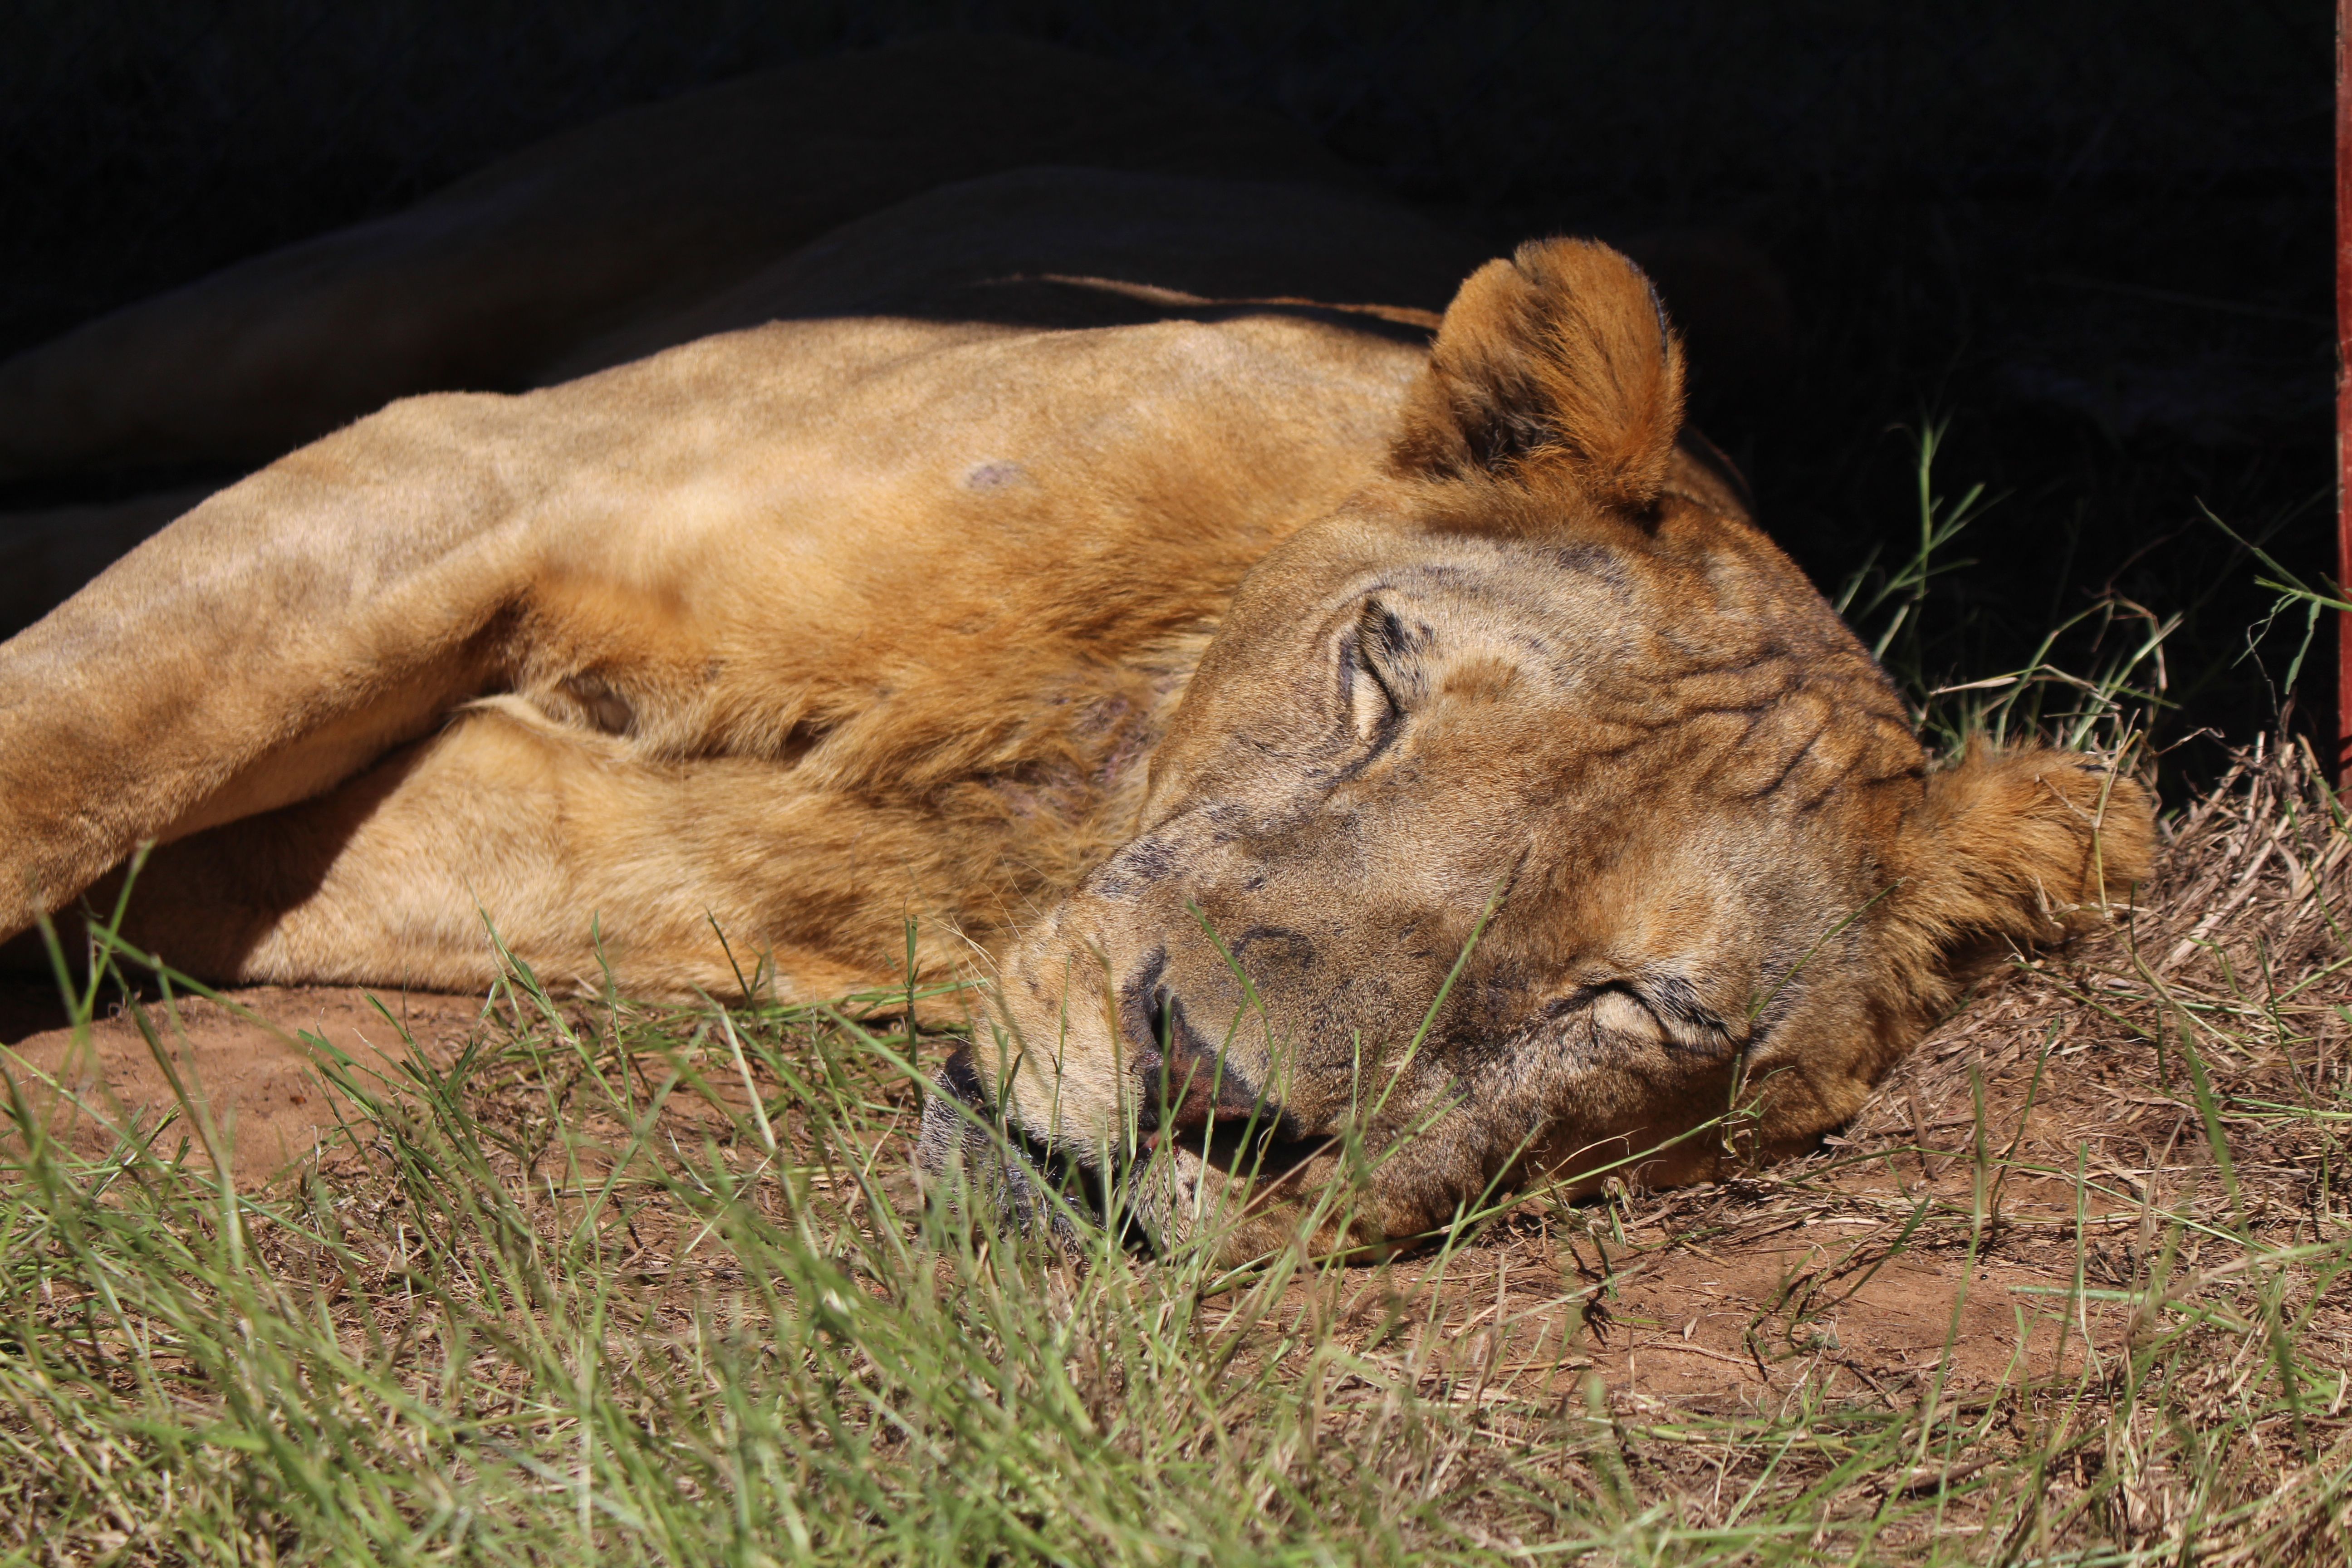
point(1308, 725)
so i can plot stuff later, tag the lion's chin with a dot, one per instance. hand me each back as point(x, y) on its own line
point(1004, 1182)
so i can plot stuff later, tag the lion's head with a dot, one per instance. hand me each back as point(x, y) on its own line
point(1526, 815)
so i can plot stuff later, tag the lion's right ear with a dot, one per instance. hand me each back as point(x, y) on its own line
point(1560, 357)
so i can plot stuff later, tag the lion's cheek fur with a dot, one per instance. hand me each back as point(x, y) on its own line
point(2009, 848)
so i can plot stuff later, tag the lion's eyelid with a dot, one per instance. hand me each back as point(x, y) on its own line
point(1374, 713)
point(1676, 1019)
point(1374, 718)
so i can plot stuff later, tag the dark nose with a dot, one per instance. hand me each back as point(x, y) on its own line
point(1187, 1085)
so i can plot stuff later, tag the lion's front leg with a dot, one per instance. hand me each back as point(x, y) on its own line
point(272, 642)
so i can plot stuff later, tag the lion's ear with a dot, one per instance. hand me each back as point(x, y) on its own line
point(1562, 356)
point(2015, 848)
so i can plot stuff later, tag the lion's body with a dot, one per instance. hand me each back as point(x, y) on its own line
point(1304, 721)
point(800, 632)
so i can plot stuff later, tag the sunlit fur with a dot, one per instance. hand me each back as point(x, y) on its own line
point(719, 667)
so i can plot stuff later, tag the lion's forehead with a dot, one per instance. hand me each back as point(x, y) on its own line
point(1599, 715)
point(1647, 651)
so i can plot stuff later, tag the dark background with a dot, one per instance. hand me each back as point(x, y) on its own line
point(2093, 238)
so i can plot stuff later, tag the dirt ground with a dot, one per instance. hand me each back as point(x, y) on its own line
point(245, 1063)
point(1725, 1298)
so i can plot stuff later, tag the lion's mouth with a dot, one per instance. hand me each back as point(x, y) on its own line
point(1187, 1088)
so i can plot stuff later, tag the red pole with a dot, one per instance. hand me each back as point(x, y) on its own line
point(2343, 388)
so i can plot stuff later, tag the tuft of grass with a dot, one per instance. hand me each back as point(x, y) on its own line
point(2109, 711)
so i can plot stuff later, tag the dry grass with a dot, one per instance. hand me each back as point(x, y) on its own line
point(2070, 1289)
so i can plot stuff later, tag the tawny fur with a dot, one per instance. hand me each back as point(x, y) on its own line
point(1206, 682)
point(2012, 850)
point(1550, 359)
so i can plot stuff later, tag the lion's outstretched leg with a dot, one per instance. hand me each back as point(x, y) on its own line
point(273, 641)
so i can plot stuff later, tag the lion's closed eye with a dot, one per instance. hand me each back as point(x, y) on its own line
point(1628, 1014)
point(1370, 699)
point(1623, 1014)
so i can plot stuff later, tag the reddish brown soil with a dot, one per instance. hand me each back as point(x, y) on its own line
point(243, 1065)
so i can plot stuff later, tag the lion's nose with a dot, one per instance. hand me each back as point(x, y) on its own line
point(1186, 1085)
